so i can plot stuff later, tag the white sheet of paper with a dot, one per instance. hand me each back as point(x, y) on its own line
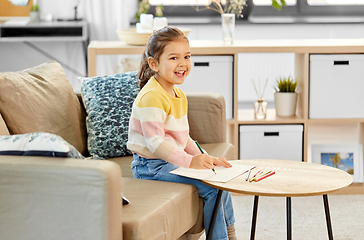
point(222, 174)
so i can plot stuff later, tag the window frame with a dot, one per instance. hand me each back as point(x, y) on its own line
point(342, 10)
point(301, 9)
point(184, 11)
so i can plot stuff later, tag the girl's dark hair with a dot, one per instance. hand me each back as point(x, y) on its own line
point(155, 47)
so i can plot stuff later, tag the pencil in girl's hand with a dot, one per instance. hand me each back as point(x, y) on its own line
point(199, 147)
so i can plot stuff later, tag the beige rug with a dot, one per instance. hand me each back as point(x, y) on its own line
point(308, 217)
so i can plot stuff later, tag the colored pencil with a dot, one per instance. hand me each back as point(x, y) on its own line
point(267, 175)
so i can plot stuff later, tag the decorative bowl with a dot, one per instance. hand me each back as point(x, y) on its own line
point(131, 37)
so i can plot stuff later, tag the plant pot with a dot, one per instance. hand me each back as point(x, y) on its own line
point(34, 16)
point(285, 103)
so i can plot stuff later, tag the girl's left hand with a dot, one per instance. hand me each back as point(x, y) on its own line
point(221, 161)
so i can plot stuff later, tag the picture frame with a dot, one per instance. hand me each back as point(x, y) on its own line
point(348, 158)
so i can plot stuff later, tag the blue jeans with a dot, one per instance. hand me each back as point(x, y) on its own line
point(158, 169)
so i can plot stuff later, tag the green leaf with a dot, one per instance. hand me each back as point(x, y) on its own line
point(35, 8)
point(276, 5)
point(286, 85)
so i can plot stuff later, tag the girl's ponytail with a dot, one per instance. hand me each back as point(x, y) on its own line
point(145, 72)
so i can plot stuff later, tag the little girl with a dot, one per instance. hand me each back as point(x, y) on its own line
point(158, 128)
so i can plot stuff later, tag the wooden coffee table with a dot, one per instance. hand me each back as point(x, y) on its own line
point(291, 179)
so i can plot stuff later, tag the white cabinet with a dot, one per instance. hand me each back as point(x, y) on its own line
point(336, 86)
point(271, 142)
point(212, 74)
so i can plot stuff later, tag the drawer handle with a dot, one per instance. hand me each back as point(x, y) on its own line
point(341, 62)
point(270, 134)
point(201, 64)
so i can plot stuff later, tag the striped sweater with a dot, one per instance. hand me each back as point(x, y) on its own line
point(158, 126)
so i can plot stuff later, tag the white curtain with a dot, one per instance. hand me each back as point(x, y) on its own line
point(104, 17)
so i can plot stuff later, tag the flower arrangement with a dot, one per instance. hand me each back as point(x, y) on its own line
point(144, 7)
point(235, 6)
point(230, 6)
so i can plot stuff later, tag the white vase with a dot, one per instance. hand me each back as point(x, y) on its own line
point(228, 27)
point(285, 103)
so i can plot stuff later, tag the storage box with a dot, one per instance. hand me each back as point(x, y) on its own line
point(271, 142)
point(212, 74)
point(336, 86)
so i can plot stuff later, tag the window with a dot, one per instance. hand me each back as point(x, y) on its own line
point(334, 2)
point(179, 2)
point(185, 8)
point(332, 7)
point(182, 8)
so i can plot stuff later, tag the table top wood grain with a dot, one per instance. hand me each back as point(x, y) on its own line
point(291, 179)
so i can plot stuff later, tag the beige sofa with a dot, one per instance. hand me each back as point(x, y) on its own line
point(58, 198)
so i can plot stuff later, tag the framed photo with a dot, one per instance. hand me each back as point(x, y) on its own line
point(348, 158)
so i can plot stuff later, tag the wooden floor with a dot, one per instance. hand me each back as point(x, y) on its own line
point(354, 188)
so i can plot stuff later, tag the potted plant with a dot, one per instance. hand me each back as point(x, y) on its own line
point(285, 97)
point(34, 13)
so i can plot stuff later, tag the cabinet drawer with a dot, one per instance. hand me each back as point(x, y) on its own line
point(336, 86)
point(271, 142)
point(212, 74)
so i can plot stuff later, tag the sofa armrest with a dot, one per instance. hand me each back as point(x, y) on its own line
point(207, 117)
point(57, 198)
point(226, 150)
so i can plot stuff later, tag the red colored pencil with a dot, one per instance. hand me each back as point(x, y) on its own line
point(269, 174)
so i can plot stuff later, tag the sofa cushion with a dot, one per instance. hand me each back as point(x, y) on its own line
point(108, 101)
point(37, 144)
point(41, 99)
point(3, 128)
point(158, 210)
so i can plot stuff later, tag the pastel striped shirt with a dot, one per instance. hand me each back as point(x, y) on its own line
point(158, 126)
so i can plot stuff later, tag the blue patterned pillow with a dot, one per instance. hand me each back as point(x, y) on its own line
point(37, 144)
point(108, 101)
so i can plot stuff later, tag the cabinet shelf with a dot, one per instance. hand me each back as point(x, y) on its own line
point(246, 116)
point(336, 120)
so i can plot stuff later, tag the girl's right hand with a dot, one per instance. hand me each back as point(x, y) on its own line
point(202, 161)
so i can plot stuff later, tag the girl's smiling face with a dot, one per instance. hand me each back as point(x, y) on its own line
point(174, 64)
